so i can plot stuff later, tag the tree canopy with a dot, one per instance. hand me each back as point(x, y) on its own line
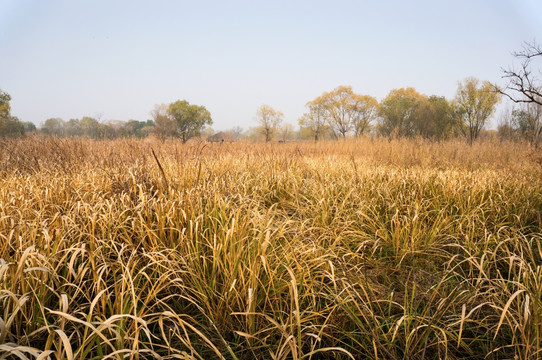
point(434, 118)
point(364, 111)
point(398, 110)
point(475, 102)
point(188, 119)
point(340, 110)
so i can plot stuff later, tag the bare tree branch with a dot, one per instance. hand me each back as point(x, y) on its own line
point(529, 50)
point(522, 85)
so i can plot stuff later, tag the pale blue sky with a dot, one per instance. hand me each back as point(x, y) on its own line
point(75, 58)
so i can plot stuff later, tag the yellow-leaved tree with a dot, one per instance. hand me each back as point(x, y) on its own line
point(398, 112)
point(474, 103)
point(269, 120)
point(343, 110)
point(315, 119)
point(364, 112)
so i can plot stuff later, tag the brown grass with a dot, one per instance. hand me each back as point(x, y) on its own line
point(366, 249)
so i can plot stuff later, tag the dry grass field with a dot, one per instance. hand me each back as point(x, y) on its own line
point(132, 249)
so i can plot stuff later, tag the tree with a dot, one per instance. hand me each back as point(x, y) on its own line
point(338, 104)
point(164, 125)
point(29, 126)
point(90, 127)
point(364, 111)
point(9, 125)
point(475, 102)
point(53, 126)
point(72, 128)
point(315, 119)
point(434, 118)
point(527, 121)
point(188, 119)
point(505, 128)
point(286, 132)
point(398, 111)
point(342, 109)
point(104, 131)
point(236, 132)
point(522, 85)
point(269, 120)
point(134, 128)
point(506, 132)
point(5, 108)
point(147, 129)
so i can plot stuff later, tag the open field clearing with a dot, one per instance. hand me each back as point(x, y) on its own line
point(336, 250)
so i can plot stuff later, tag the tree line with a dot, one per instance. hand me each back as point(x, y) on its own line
point(91, 127)
point(405, 112)
point(339, 113)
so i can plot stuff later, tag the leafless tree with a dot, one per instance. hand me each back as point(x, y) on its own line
point(524, 85)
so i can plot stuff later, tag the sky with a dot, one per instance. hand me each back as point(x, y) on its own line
point(116, 59)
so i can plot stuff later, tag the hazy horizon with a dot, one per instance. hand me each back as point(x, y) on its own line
point(73, 59)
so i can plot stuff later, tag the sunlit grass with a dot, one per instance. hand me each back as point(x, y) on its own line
point(367, 249)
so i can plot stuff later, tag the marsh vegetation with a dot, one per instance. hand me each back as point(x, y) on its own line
point(342, 250)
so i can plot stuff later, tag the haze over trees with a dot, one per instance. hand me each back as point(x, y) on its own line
point(339, 113)
point(90, 127)
point(56, 126)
